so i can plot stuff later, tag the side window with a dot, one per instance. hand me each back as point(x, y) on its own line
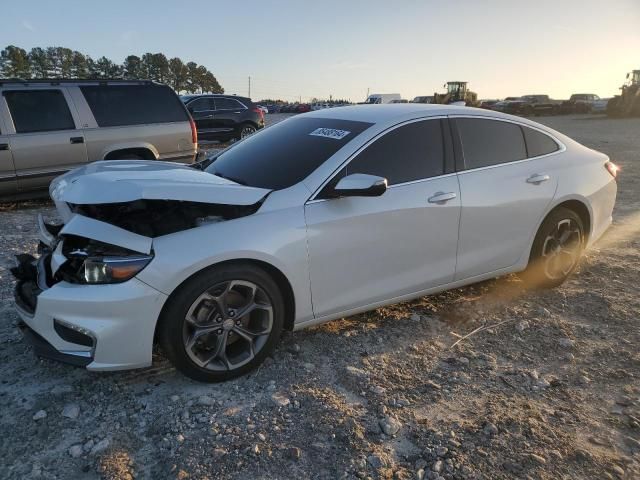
point(411, 152)
point(117, 105)
point(228, 104)
point(490, 142)
point(202, 104)
point(538, 143)
point(39, 110)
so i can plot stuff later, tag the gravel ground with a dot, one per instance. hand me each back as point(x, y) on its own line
point(552, 392)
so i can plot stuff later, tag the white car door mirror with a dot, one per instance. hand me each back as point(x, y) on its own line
point(360, 185)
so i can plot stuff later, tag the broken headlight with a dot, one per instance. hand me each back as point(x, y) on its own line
point(113, 269)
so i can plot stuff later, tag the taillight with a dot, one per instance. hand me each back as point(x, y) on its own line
point(194, 131)
point(612, 168)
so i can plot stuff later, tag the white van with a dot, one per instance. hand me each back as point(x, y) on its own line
point(376, 98)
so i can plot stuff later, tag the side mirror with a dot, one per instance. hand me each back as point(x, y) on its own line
point(360, 185)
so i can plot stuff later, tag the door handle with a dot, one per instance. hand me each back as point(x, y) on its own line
point(76, 139)
point(538, 178)
point(441, 197)
point(4, 146)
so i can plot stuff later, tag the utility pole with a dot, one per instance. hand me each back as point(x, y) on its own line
point(367, 92)
point(249, 86)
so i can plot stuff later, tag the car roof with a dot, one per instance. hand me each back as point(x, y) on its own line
point(218, 95)
point(389, 112)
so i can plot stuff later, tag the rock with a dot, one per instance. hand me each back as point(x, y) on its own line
point(378, 390)
point(415, 317)
point(309, 367)
point(295, 348)
point(463, 361)
point(357, 372)
point(39, 415)
point(390, 425)
point(75, 451)
point(294, 453)
point(256, 449)
point(88, 445)
point(280, 399)
point(180, 438)
point(206, 401)
point(537, 458)
point(71, 411)
point(490, 429)
point(420, 474)
point(433, 385)
point(512, 467)
point(522, 325)
point(375, 461)
point(618, 470)
point(542, 383)
point(441, 451)
point(262, 437)
point(566, 342)
point(437, 467)
point(556, 454)
point(100, 446)
point(175, 398)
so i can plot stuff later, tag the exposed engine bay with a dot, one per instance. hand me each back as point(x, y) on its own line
point(154, 218)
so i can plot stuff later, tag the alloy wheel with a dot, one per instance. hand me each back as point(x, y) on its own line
point(246, 131)
point(227, 325)
point(561, 249)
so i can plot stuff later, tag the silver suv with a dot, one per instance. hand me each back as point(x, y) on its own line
point(50, 126)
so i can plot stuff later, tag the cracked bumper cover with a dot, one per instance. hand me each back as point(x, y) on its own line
point(120, 317)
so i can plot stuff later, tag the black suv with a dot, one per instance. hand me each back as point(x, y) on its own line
point(224, 117)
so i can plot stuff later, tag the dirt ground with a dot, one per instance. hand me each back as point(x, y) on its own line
point(552, 392)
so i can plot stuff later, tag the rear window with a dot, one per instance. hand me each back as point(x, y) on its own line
point(286, 153)
point(490, 142)
point(115, 105)
point(538, 143)
point(39, 111)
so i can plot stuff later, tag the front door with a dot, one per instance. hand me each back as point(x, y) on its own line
point(229, 112)
point(46, 142)
point(202, 111)
point(364, 250)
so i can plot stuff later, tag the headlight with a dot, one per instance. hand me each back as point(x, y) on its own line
point(113, 269)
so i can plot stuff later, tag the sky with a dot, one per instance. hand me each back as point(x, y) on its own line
point(298, 49)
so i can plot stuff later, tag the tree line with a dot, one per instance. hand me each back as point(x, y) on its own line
point(60, 62)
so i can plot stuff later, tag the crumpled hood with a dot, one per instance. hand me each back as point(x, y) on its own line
point(119, 181)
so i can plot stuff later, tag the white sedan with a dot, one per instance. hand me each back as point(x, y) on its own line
point(318, 217)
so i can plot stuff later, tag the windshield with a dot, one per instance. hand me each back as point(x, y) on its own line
point(286, 153)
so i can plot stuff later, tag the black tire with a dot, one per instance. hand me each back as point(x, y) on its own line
point(174, 329)
point(549, 264)
point(245, 129)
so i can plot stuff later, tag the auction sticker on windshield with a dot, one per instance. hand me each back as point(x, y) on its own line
point(330, 133)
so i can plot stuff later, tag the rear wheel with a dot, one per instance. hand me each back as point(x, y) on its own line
point(556, 249)
point(245, 130)
point(222, 323)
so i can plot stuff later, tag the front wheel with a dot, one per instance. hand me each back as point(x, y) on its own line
point(556, 249)
point(222, 323)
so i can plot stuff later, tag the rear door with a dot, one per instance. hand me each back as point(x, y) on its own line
point(364, 250)
point(8, 183)
point(45, 140)
point(229, 112)
point(505, 190)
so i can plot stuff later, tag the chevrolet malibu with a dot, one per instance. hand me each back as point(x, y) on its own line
point(321, 216)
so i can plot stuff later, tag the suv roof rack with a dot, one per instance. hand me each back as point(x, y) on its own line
point(58, 81)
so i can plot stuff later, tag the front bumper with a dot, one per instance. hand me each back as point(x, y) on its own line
point(119, 318)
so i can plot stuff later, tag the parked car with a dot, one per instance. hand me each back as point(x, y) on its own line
point(49, 127)
point(505, 105)
point(579, 103)
point(379, 98)
point(302, 108)
point(224, 117)
point(600, 105)
point(488, 104)
point(423, 99)
point(533, 105)
point(338, 205)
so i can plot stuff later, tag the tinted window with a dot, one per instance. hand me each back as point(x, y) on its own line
point(538, 143)
point(228, 104)
point(39, 110)
point(201, 105)
point(490, 142)
point(411, 152)
point(114, 105)
point(286, 153)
